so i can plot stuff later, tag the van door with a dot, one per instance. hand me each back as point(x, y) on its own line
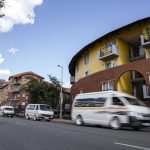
point(118, 108)
point(31, 111)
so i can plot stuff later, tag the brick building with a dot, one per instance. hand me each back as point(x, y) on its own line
point(14, 95)
point(119, 60)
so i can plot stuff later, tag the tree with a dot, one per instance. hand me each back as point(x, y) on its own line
point(2, 4)
point(43, 92)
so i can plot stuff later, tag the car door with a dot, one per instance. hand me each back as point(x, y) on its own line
point(117, 108)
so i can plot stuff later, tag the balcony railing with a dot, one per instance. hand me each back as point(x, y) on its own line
point(108, 52)
point(145, 40)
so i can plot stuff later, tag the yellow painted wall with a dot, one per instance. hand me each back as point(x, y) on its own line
point(124, 84)
point(123, 52)
point(95, 64)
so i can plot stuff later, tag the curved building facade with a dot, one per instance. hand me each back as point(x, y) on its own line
point(119, 60)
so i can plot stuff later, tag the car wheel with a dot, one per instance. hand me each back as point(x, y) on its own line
point(27, 117)
point(34, 118)
point(115, 123)
point(79, 121)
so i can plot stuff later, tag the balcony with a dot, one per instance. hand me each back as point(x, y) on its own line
point(16, 82)
point(137, 54)
point(145, 40)
point(108, 53)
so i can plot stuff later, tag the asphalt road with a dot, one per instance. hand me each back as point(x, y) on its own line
point(21, 134)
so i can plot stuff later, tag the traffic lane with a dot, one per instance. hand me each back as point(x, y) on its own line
point(26, 134)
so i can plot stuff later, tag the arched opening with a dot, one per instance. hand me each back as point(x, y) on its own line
point(131, 82)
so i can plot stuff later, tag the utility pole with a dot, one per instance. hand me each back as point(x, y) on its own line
point(61, 92)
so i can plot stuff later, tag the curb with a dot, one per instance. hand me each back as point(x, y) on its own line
point(62, 121)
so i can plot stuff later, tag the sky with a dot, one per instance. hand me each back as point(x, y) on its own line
point(38, 35)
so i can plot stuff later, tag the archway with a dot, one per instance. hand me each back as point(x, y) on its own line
point(131, 82)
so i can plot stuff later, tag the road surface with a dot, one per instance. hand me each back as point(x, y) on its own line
point(21, 134)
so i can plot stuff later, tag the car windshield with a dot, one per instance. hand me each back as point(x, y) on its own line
point(134, 101)
point(10, 109)
point(45, 107)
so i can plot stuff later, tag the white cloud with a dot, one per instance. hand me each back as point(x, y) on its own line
point(67, 85)
point(13, 50)
point(1, 59)
point(18, 12)
point(5, 72)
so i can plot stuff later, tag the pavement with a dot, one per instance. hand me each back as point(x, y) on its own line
point(21, 134)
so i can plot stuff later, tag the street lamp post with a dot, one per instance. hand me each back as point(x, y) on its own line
point(61, 92)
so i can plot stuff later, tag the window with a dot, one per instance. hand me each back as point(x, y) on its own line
point(110, 46)
point(23, 95)
point(86, 73)
point(37, 107)
point(108, 86)
point(86, 58)
point(81, 91)
point(111, 64)
point(134, 101)
point(90, 102)
point(117, 101)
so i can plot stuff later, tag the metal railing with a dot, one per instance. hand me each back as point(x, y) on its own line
point(145, 38)
point(112, 49)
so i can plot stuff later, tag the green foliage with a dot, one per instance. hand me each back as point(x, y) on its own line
point(43, 92)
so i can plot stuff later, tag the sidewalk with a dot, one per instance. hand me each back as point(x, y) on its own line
point(67, 121)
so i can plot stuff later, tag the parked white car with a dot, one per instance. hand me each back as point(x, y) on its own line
point(110, 108)
point(39, 112)
point(7, 111)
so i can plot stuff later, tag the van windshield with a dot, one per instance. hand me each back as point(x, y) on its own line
point(134, 101)
point(9, 109)
point(45, 107)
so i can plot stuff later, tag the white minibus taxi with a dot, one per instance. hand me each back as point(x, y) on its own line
point(110, 108)
point(7, 111)
point(39, 112)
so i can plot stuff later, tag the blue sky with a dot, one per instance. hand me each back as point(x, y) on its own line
point(60, 30)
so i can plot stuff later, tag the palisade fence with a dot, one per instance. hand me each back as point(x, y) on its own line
point(20, 112)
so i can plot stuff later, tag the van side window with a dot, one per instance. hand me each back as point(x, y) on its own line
point(32, 107)
point(28, 107)
point(117, 101)
point(90, 102)
point(37, 107)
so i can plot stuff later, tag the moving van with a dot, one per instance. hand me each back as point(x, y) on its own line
point(39, 112)
point(110, 108)
point(7, 111)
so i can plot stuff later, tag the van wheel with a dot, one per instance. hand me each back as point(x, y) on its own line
point(3, 115)
point(79, 121)
point(27, 117)
point(115, 123)
point(34, 118)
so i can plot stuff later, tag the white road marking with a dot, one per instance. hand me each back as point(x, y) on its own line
point(20, 123)
point(133, 146)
